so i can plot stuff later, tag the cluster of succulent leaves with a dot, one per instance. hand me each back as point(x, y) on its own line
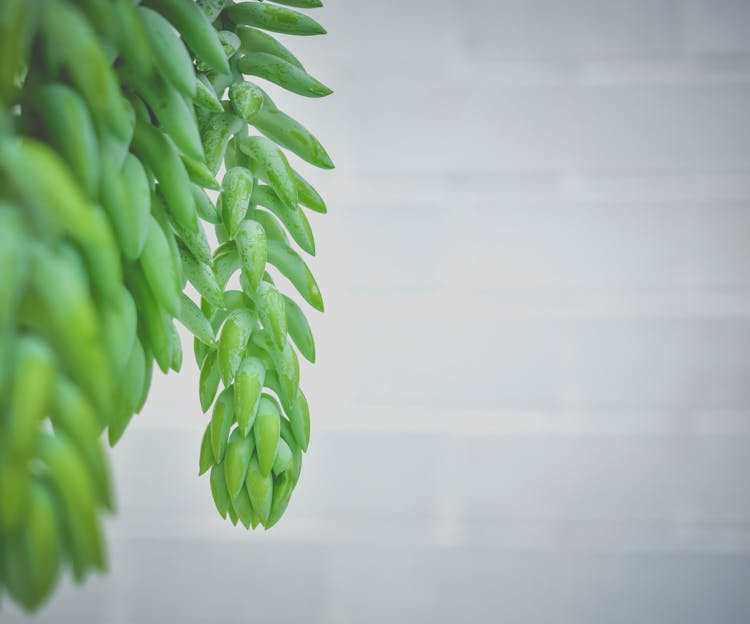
point(117, 118)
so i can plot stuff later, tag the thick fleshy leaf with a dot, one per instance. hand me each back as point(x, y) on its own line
point(248, 386)
point(237, 188)
point(260, 489)
point(233, 341)
point(288, 261)
point(251, 246)
point(267, 429)
point(221, 422)
point(274, 18)
point(236, 460)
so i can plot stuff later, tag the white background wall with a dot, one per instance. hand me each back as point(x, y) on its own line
point(532, 400)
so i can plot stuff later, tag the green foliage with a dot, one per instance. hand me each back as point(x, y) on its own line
point(116, 117)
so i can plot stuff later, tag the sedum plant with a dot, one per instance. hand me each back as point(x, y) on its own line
point(118, 120)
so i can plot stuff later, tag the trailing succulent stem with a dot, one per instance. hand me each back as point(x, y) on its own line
point(117, 118)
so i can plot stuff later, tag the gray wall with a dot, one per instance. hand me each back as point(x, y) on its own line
point(532, 401)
